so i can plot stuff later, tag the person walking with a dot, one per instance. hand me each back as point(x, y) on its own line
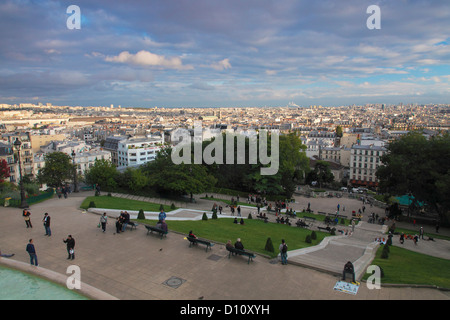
point(283, 252)
point(46, 220)
point(32, 252)
point(26, 216)
point(70, 243)
point(104, 221)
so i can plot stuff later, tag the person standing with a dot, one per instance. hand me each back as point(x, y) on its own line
point(421, 232)
point(46, 220)
point(162, 215)
point(283, 252)
point(32, 252)
point(70, 243)
point(26, 216)
point(104, 221)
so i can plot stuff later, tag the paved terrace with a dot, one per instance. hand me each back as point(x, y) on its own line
point(134, 265)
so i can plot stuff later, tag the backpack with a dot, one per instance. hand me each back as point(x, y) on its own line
point(284, 248)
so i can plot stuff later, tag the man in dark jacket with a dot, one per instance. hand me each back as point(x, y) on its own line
point(32, 252)
point(70, 242)
point(46, 220)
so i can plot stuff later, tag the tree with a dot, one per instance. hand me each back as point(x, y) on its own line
point(4, 170)
point(339, 132)
point(321, 173)
point(167, 177)
point(419, 167)
point(103, 173)
point(57, 170)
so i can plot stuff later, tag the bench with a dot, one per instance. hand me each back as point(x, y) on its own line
point(310, 219)
point(323, 213)
point(151, 229)
point(302, 224)
point(193, 241)
point(132, 225)
point(325, 229)
point(233, 251)
point(262, 218)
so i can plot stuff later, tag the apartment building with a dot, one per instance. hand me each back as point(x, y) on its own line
point(136, 151)
point(364, 161)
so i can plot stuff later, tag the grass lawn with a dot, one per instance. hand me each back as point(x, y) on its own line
point(408, 267)
point(122, 204)
point(253, 233)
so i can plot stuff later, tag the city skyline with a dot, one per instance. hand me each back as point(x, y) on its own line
point(224, 53)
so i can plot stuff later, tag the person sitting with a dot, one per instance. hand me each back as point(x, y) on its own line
point(4, 255)
point(348, 268)
point(229, 245)
point(238, 244)
point(235, 220)
point(242, 221)
point(191, 235)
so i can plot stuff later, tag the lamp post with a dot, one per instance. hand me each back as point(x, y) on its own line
point(23, 201)
point(75, 182)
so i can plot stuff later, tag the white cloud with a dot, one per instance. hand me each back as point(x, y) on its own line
point(146, 58)
point(221, 65)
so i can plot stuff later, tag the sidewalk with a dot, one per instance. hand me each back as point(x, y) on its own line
point(136, 266)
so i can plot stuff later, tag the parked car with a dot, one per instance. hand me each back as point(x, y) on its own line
point(344, 189)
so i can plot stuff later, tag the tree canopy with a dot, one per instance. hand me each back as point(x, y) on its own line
point(57, 170)
point(420, 167)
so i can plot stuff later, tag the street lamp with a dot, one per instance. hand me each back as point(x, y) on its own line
point(75, 182)
point(23, 201)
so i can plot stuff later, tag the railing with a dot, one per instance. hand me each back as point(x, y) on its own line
point(30, 200)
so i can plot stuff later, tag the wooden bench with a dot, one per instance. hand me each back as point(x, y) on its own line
point(327, 229)
point(262, 218)
point(302, 224)
point(233, 251)
point(151, 229)
point(311, 219)
point(132, 225)
point(193, 241)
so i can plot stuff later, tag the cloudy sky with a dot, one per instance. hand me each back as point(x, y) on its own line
point(224, 53)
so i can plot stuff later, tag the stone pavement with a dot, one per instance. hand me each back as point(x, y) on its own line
point(136, 266)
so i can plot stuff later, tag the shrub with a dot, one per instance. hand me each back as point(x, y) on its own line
point(313, 235)
point(308, 239)
point(250, 216)
point(204, 217)
point(269, 245)
point(109, 194)
point(141, 214)
point(214, 214)
point(172, 206)
point(161, 207)
point(92, 205)
point(342, 221)
point(333, 232)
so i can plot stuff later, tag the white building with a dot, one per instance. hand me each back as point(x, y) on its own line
point(364, 162)
point(137, 151)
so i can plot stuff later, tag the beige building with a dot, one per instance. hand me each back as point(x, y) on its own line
point(37, 141)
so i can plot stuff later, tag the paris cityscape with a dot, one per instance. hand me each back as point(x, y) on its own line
point(219, 158)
